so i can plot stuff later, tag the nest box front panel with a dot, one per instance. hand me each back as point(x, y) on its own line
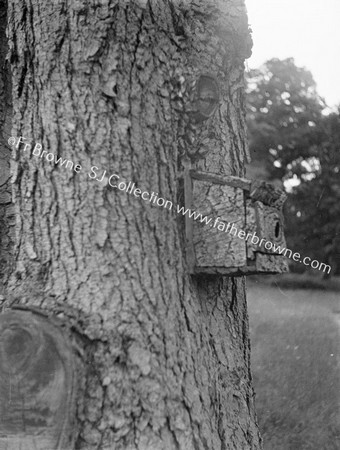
point(267, 223)
point(271, 264)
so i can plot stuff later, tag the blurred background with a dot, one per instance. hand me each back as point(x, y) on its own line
point(293, 114)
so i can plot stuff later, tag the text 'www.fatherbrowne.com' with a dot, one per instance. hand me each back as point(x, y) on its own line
point(101, 176)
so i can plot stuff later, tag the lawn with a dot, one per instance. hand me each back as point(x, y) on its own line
point(295, 339)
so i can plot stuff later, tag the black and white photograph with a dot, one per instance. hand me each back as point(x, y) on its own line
point(169, 225)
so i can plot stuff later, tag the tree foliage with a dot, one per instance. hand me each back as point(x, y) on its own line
point(283, 110)
point(292, 137)
point(313, 208)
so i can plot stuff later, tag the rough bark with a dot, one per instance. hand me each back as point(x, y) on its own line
point(7, 219)
point(100, 83)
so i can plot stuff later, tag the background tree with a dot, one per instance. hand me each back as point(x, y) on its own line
point(164, 355)
point(297, 144)
point(313, 207)
point(283, 110)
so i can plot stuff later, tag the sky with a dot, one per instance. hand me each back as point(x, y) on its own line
point(307, 30)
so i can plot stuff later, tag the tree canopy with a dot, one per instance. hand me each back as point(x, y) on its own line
point(293, 138)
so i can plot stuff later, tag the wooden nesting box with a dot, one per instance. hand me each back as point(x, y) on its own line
point(245, 232)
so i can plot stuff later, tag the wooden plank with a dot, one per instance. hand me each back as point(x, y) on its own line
point(271, 264)
point(270, 226)
point(252, 228)
point(36, 384)
point(229, 180)
point(188, 202)
point(267, 223)
point(213, 246)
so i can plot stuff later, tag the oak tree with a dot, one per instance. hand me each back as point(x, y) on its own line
point(161, 356)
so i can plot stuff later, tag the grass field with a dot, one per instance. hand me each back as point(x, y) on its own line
point(295, 338)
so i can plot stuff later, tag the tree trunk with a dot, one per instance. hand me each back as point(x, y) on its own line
point(165, 355)
point(7, 217)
